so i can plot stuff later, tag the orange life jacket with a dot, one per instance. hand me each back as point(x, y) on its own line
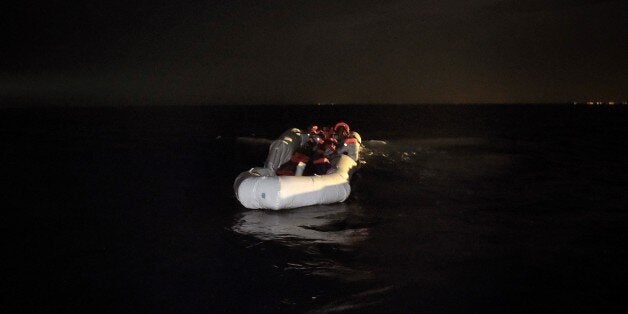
point(289, 168)
point(322, 160)
point(351, 140)
point(299, 157)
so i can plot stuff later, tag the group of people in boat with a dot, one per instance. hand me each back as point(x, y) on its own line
point(324, 145)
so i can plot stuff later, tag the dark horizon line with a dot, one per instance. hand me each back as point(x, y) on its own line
point(19, 102)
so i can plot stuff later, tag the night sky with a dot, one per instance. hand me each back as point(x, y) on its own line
point(390, 51)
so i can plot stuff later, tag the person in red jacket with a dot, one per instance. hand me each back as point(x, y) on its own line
point(321, 157)
point(303, 154)
point(341, 131)
point(348, 141)
point(316, 138)
point(289, 168)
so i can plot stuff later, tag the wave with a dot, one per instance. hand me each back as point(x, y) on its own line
point(253, 140)
point(470, 157)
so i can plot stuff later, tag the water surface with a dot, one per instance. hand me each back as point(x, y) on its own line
point(456, 209)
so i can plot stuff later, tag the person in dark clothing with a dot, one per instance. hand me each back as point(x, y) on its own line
point(320, 159)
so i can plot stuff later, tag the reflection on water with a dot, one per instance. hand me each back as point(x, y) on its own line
point(319, 224)
point(310, 230)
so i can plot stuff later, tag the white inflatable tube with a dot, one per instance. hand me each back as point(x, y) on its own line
point(260, 188)
point(282, 148)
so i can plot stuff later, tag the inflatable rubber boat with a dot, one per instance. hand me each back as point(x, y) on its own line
point(261, 188)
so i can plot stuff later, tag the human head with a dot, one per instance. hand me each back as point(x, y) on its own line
point(313, 129)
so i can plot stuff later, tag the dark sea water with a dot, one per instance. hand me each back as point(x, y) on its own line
point(500, 208)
